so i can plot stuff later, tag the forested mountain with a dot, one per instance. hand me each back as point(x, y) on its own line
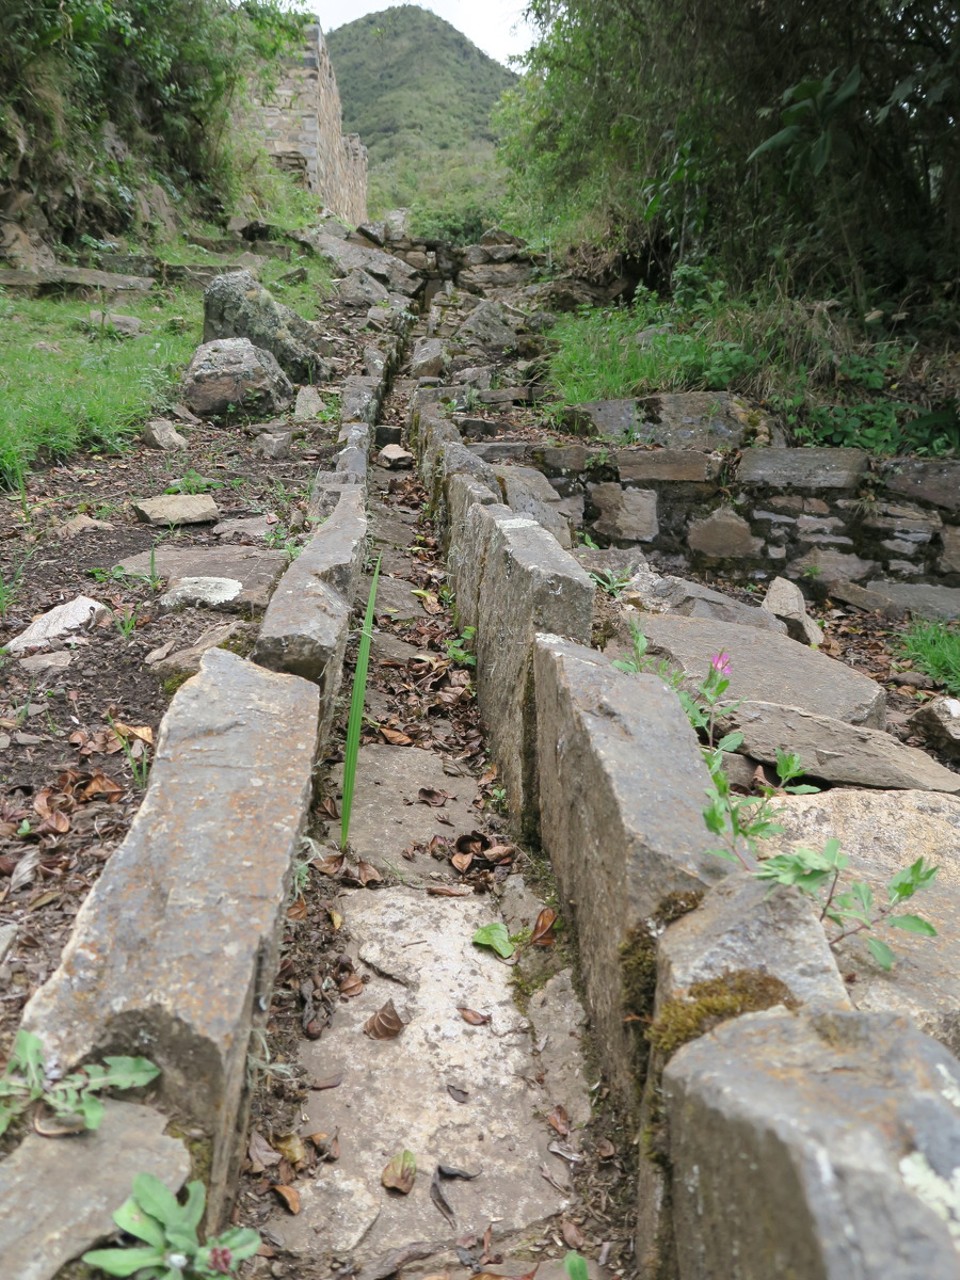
point(420, 95)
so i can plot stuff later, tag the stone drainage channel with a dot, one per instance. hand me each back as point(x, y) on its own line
point(174, 954)
point(784, 1128)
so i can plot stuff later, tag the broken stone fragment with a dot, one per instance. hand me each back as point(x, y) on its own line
point(395, 457)
point(176, 508)
point(939, 722)
point(785, 601)
point(161, 434)
point(79, 613)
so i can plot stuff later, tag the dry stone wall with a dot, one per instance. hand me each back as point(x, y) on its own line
point(303, 131)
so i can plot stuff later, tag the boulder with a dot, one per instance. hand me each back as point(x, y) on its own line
point(923, 600)
point(123, 326)
point(231, 375)
point(819, 1145)
point(236, 305)
point(176, 508)
point(767, 667)
point(346, 257)
point(488, 326)
point(835, 751)
point(785, 601)
point(359, 289)
point(814, 469)
point(684, 420)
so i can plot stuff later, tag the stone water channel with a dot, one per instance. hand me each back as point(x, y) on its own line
point(802, 1124)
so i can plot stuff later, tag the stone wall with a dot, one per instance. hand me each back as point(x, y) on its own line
point(303, 131)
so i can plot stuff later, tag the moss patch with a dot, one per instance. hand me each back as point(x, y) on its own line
point(706, 1004)
point(638, 955)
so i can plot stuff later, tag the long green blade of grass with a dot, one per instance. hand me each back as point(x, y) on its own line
point(352, 749)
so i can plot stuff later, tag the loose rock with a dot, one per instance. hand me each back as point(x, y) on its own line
point(233, 375)
point(80, 613)
point(176, 508)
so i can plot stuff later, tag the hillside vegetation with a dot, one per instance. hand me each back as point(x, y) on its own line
point(421, 95)
point(100, 99)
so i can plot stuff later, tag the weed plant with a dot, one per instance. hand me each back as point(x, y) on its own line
point(934, 648)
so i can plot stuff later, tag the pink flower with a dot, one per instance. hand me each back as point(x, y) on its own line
point(722, 664)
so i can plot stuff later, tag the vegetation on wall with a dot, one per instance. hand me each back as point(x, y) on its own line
point(97, 94)
point(421, 96)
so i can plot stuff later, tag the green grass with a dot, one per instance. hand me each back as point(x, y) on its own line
point(934, 648)
point(827, 383)
point(91, 390)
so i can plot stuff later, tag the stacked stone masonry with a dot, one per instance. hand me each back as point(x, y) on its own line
point(302, 127)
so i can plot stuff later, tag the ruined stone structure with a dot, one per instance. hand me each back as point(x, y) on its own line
point(302, 126)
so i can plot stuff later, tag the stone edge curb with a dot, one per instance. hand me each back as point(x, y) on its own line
point(617, 879)
point(289, 649)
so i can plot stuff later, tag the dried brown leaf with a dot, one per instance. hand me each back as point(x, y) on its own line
point(290, 1197)
point(328, 1082)
point(449, 891)
point(431, 796)
point(542, 935)
point(572, 1234)
point(605, 1149)
point(351, 985)
point(395, 737)
point(470, 1015)
point(458, 1095)
point(560, 1121)
point(385, 1024)
point(462, 862)
point(261, 1154)
point(329, 806)
point(298, 909)
point(368, 874)
point(291, 1147)
point(332, 865)
point(400, 1173)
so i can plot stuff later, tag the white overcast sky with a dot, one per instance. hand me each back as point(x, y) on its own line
point(495, 26)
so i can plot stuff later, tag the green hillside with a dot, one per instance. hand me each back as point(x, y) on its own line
point(420, 96)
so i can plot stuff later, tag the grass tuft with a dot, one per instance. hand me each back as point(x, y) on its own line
point(934, 648)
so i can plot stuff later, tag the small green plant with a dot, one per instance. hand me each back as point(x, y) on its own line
point(139, 762)
point(9, 589)
point(125, 620)
point(812, 571)
point(854, 909)
point(27, 1080)
point(613, 583)
point(934, 647)
point(575, 1266)
point(584, 539)
point(498, 799)
point(355, 722)
point(171, 1248)
point(193, 482)
point(459, 650)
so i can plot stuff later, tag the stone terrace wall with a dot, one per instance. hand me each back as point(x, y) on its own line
point(303, 132)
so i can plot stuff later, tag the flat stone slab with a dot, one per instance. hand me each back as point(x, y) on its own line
point(388, 816)
point(175, 948)
point(819, 468)
point(394, 1094)
point(883, 832)
point(767, 667)
point(80, 613)
point(686, 420)
point(814, 1145)
point(59, 1195)
point(935, 480)
point(176, 508)
point(654, 593)
point(256, 570)
point(838, 752)
point(922, 599)
point(202, 593)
